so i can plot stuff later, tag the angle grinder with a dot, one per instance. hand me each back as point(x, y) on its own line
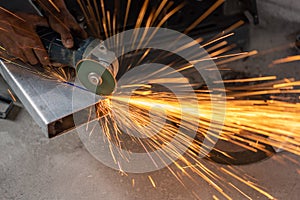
point(95, 65)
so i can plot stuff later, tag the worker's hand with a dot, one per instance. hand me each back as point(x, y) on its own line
point(62, 21)
point(19, 38)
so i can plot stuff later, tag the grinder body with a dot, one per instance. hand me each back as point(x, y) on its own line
point(95, 65)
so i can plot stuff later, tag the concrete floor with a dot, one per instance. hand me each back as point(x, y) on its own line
point(33, 167)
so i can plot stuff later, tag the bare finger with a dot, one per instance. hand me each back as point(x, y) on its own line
point(63, 30)
point(30, 56)
point(42, 55)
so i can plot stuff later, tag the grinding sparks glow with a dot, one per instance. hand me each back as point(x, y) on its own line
point(250, 124)
point(286, 60)
point(11, 95)
point(11, 13)
point(152, 181)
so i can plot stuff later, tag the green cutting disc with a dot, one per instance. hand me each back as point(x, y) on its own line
point(95, 77)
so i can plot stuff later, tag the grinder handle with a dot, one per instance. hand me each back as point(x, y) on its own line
point(57, 52)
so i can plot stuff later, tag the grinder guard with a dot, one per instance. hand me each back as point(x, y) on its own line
point(96, 67)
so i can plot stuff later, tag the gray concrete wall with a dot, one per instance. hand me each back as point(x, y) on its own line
point(282, 9)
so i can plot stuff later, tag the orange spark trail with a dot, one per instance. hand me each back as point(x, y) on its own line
point(287, 60)
point(11, 13)
point(11, 95)
point(152, 181)
point(204, 16)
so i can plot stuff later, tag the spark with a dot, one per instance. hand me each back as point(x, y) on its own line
point(266, 78)
point(86, 12)
point(127, 13)
point(142, 14)
point(93, 17)
point(11, 95)
point(158, 11)
point(136, 85)
point(287, 60)
point(217, 46)
point(54, 5)
point(98, 16)
point(248, 183)
point(133, 182)
point(230, 55)
point(289, 84)
point(13, 14)
point(169, 80)
point(169, 14)
point(204, 16)
point(104, 20)
point(221, 51)
point(251, 53)
point(232, 27)
point(218, 39)
point(215, 197)
point(152, 181)
point(240, 191)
